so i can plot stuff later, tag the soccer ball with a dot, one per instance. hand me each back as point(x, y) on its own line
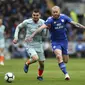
point(9, 77)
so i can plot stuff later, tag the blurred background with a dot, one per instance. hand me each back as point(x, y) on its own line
point(14, 12)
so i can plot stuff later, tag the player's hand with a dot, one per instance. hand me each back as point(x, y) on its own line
point(15, 41)
point(29, 39)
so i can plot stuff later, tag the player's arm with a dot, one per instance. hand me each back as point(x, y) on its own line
point(45, 31)
point(20, 26)
point(78, 25)
point(47, 24)
point(69, 20)
point(37, 31)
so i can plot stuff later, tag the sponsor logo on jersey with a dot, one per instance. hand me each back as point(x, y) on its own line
point(62, 20)
point(54, 22)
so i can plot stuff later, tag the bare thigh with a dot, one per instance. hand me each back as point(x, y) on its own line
point(58, 54)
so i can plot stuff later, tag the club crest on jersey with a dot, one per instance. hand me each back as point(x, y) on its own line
point(62, 20)
point(54, 47)
point(54, 22)
point(46, 20)
point(39, 25)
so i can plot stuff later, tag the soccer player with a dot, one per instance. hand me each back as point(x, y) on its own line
point(2, 42)
point(57, 28)
point(34, 48)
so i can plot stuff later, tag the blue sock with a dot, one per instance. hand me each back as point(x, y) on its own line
point(63, 67)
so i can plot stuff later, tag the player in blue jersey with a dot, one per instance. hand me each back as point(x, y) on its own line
point(57, 28)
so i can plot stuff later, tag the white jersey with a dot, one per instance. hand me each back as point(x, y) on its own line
point(2, 28)
point(2, 38)
point(31, 26)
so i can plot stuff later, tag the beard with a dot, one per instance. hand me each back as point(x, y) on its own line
point(35, 20)
point(56, 16)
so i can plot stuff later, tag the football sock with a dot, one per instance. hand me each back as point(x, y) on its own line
point(30, 61)
point(63, 67)
point(40, 72)
point(1, 58)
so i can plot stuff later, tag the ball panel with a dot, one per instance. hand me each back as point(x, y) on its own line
point(9, 77)
point(6, 77)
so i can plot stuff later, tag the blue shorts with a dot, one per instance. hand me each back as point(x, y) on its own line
point(62, 45)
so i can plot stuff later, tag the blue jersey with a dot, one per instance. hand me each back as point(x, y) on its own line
point(57, 27)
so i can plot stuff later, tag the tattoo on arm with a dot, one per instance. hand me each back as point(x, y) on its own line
point(78, 25)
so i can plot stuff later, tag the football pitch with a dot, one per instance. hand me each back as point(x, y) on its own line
point(52, 74)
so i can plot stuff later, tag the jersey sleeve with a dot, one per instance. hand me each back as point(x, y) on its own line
point(20, 26)
point(48, 22)
point(68, 19)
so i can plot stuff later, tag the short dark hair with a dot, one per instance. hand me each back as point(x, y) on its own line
point(36, 10)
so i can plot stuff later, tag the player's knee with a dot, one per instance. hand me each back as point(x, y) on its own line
point(59, 58)
point(35, 58)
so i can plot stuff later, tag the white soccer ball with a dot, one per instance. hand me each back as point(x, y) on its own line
point(9, 77)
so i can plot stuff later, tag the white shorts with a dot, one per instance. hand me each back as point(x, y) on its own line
point(2, 43)
point(31, 52)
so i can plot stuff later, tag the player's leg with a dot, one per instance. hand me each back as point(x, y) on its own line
point(65, 58)
point(33, 58)
point(2, 45)
point(40, 70)
point(41, 66)
point(1, 56)
point(57, 48)
point(65, 52)
point(61, 64)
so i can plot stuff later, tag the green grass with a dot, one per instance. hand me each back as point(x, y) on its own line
point(52, 74)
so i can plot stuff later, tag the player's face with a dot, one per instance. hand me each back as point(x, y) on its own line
point(35, 16)
point(56, 13)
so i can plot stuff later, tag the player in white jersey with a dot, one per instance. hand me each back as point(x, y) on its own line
point(2, 42)
point(34, 47)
